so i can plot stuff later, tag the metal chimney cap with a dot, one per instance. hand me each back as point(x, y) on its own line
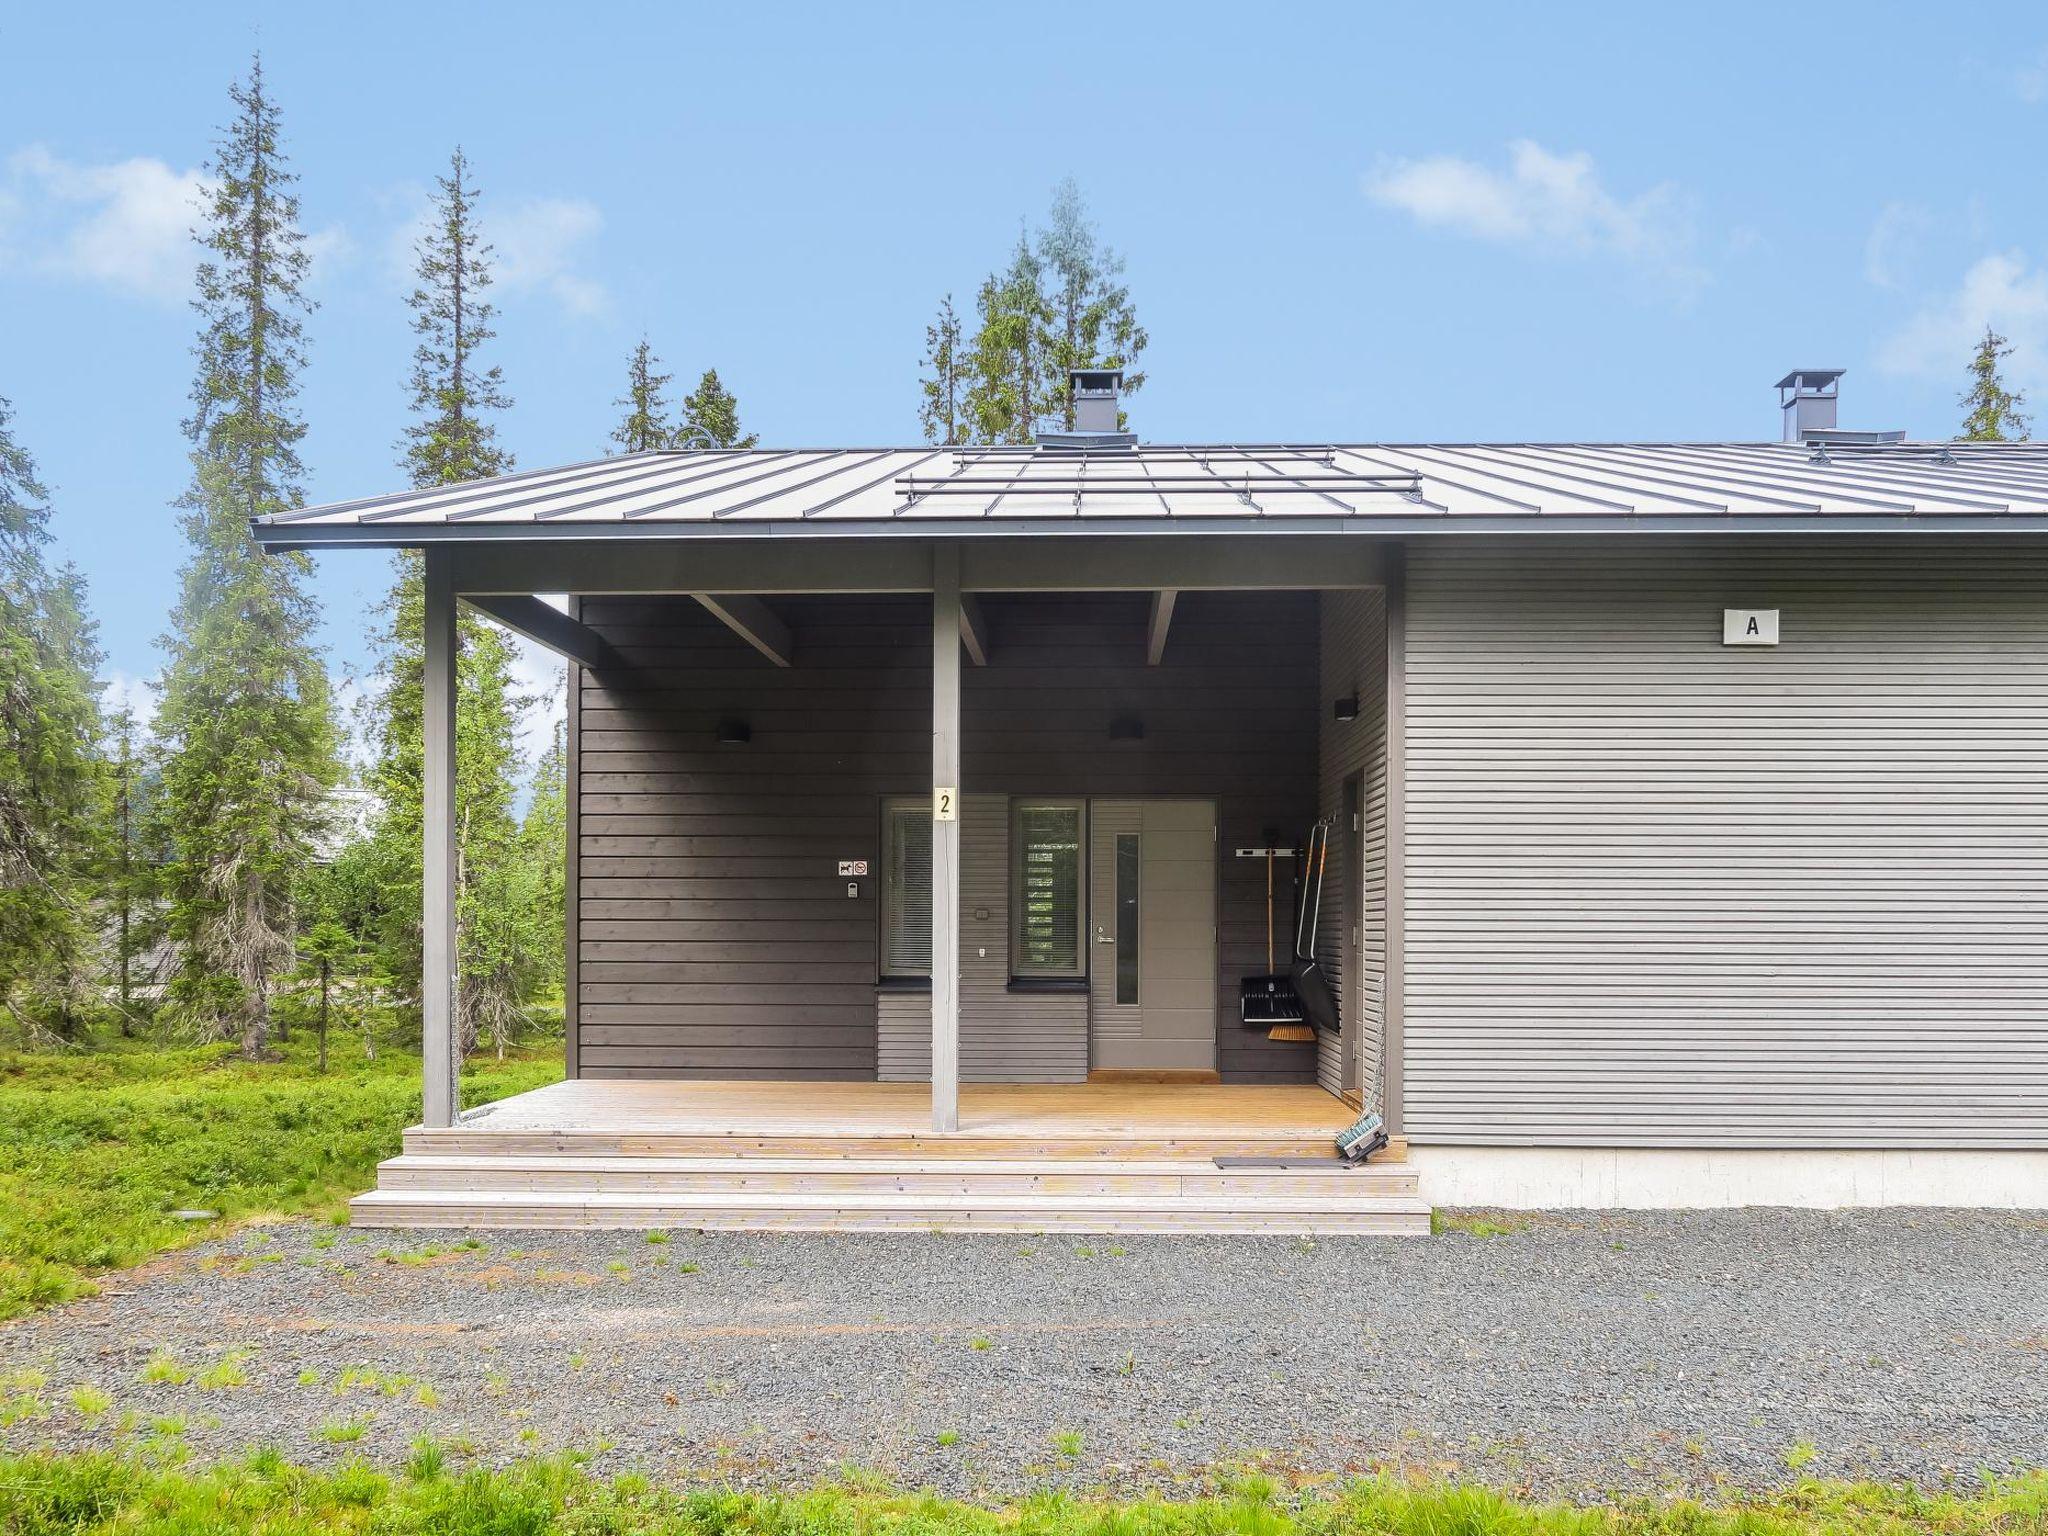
point(1811, 378)
point(1095, 381)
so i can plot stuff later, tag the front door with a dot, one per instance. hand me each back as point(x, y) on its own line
point(1152, 956)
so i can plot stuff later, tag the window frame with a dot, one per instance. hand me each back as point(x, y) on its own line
point(892, 805)
point(1019, 971)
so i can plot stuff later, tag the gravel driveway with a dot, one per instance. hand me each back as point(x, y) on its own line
point(1564, 1355)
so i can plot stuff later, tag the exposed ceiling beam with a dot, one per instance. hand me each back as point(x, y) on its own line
point(548, 627)
point(1157, 626)
point(974, 631)
point(754, 622)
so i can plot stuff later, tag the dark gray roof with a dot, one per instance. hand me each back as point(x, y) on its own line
point(1210, 486)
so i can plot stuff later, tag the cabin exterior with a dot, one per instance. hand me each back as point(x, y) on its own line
point(1687, 838)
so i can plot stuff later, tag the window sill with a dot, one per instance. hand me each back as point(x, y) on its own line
point(904, 984)
point(1049, 984)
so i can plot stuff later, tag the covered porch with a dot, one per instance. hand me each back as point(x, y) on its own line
point(928, 848)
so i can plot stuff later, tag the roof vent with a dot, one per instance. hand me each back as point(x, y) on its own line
point(1096, 402)
point(1807, 397)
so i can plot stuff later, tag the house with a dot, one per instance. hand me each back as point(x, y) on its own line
point(1687, 841)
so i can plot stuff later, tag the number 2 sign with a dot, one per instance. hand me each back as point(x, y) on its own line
point(945, 805)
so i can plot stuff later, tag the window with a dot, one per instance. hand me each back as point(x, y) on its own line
point(907, 887)
point(1046, 901)
point(1127, 866)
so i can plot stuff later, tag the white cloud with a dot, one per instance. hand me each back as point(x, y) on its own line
point(1552, 202)
point(1893, 245)
point(2001, 291)
point(126, 224)
point(2030, 80)
point(124, 690)
point(538, 240)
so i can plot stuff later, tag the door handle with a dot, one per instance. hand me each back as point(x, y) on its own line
point(1102, 935)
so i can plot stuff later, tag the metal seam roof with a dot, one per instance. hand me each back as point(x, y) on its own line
point(1196, 486)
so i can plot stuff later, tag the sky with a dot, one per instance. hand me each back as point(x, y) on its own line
point(1346, 222)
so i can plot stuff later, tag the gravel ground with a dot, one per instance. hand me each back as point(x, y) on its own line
point(1564, 1355)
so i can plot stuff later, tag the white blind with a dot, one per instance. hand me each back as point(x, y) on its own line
point(1047, 941)
point(907, 889)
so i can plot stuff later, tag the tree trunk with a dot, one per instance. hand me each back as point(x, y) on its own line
point(326, 976)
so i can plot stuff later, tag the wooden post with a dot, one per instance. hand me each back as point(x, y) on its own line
point(437, 910)
point(946, 838)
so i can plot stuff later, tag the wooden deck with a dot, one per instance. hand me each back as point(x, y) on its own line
point(1095, 1157)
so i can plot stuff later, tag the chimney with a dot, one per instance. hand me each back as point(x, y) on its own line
point(1807, 398)
point(1095, 392)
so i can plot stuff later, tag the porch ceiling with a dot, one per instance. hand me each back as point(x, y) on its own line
point(1397, 487)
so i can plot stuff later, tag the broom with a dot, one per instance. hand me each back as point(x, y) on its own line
point(1303, 1031)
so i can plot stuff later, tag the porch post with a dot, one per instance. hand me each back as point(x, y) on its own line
point(946, 838)
point(437, 909)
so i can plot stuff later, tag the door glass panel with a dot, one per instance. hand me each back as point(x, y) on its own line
point(1046, 889)
point(1127, 866)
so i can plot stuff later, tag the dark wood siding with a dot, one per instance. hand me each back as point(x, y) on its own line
point(714, 936)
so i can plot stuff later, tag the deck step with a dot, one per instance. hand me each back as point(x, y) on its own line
point(483, 1140)
point(1322, 1179)
point(1388, 1214)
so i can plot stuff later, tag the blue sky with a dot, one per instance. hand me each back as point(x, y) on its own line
point(1346, 221)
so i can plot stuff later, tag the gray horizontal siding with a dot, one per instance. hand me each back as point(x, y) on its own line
point(1662, 892)
point(1005, 1036)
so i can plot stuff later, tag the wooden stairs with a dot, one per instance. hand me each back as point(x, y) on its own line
point(484, 1176)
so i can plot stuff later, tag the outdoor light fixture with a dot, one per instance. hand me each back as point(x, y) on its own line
point(1126, 728)
point(734, 733)
point(1347, 707)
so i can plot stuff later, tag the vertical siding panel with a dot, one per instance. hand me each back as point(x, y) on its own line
point(1353, 663)
point(1663, 892)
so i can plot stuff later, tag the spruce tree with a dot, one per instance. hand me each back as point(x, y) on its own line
point(646, 425)
point(52, 777)
point(711, 417)
point(943, 384)
point(1090, 321)
point(1992, 412)
point(245, 733)
point(543, 837)
point(453, 438)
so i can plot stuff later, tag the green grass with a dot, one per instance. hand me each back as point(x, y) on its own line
point(98, 1148)
point(99, 1495)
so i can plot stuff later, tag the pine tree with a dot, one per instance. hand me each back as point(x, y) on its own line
point(1992, 412)
point(646, 425)
point(711, 417)
point(944, 383)
point(1091, 322)
point(1006, 398)
point(453, 439)
point(52, 777)
point(246, 737)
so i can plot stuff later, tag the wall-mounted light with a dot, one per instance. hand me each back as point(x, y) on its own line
point(1126, 728)
point(1346, 708)
point(734, 733)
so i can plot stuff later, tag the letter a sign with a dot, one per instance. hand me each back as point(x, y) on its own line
point(1749, 626)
